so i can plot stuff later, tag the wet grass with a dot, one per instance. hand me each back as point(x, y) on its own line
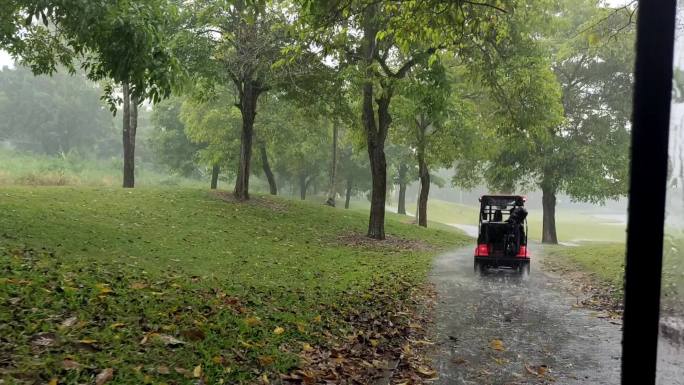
point(571, 225)
point(606, 263)
point(177, 285)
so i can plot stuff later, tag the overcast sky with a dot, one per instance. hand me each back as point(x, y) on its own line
point(5, 59)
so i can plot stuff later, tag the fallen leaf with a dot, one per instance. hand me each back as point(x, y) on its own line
point(43, 339)
point(496, 345)
point(117, 325)
point(194, 334)
point(69, 322)
point(138, 285)
point(266, 360)
point(374, 343)
point(306, 347)
point(163, 369)
point(252, 321)
point(278, 330)
point(317, 318)
point(301, 327)
point(69, 364)
point(103, 288)
point(53, 381)
point(542, 370)
point(87, 341)
point(197, 372)
point(426, 372)
point(104, 376)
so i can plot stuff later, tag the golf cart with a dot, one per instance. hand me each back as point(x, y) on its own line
point(502, 234)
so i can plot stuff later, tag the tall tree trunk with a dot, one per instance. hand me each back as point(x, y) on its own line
point(424, 190)
point(214, 176)
point(401, 206)
point(549, 215)
point(350, 184)
point(130, 126)
point(267, 170)
point(248, 104)
point(333, 168)
point(303, 184)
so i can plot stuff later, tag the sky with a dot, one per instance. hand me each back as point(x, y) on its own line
point(5, 59)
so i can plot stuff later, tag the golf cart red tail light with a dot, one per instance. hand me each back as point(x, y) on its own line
point(482, 250)
point(523, 251)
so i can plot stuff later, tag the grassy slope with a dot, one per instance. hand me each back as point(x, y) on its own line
point(606, 261)
point(570, 225)
point(183, 263)
point(20, 168)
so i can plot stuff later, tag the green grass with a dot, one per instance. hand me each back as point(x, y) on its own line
point(570, 225)
point(74, 170)
point(606, 262)
point(221, 276)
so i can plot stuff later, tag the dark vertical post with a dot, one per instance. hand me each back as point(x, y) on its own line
point(651, 123)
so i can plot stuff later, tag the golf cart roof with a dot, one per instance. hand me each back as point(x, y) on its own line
point(503, 200)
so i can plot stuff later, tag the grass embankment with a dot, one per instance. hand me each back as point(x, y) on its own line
point(605, 264)
point(167, 286)
point(570, 225)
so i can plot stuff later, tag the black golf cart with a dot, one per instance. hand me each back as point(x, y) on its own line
point(502, 234)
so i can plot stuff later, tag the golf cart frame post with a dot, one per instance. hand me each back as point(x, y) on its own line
point(648, 178)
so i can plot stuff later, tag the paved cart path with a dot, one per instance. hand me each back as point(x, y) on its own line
point(536, 324)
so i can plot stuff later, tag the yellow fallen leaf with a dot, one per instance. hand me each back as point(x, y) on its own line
point(306, 347)
point(197, 372)
point(266, 360)
point(117, 325)
point(217, 360)
point(87, 341)
point(301, 327)
point(496, 345)
point(374, 343)
point(424, 371)
point(138, 285)
point(317, 318)
point(252, 321)
point(53, 381)
point(278, 330)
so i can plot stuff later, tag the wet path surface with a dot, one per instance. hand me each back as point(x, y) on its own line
point(534, 320)
point(536, 324)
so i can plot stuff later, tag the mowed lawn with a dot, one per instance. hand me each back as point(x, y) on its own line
point(179, 285)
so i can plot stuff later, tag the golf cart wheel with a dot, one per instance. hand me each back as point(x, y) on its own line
point(524, 269)
point(477, 268)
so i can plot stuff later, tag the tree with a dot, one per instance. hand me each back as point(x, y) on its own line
point(170, 144)
point(383, 41)
point(125, 42)
point(304, 163)
point(245, 41)
point(51, 115)
point(584, 153)
point(354, 171)
point(212, 122)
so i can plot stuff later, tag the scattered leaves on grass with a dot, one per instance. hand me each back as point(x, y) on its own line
point(278, 330)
